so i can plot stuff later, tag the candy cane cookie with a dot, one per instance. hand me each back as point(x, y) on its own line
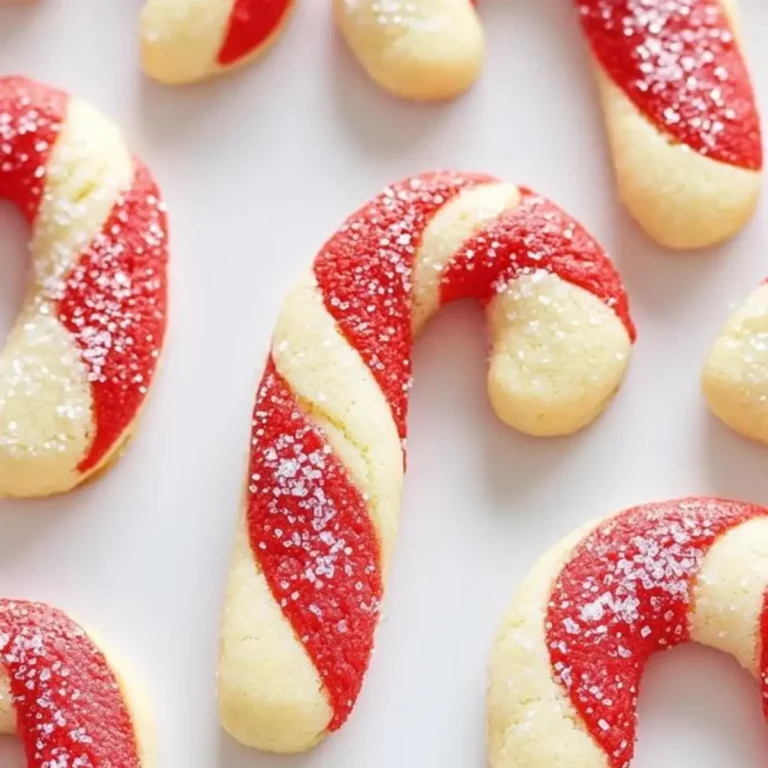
point(187, 40)
point(735, 376)
point(77, 365)
point(327, 451)
point(567, 664)
point(67, 702)
point(678, 103)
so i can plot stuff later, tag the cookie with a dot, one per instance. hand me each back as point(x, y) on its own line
point(568, 661)
point(66, 701)
point(735, 376)
point(418, 49)
point(679, 106)
point(78, 363)
point(681, 115)
point(187, 40)
point(322, 492)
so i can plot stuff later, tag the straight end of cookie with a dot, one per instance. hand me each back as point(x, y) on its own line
point(425, 50)
point(681, 116)
point(185, 41)
point(735, 375)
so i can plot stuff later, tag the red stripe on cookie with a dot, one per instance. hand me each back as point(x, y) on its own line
point(365, 273)
point(678, 61)
point(114, 302)
point(536, 235)
point(251, 24)
point(31, 116)
point(624, 594)
point(69, 706)
point(312, 536)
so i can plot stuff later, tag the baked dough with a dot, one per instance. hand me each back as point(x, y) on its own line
point(679, 107)
point(78, 363)
point(65, 699)
point(569, 657)
point(183, 41)
point(322, 493)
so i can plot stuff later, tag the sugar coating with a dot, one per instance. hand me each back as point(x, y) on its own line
point(78, 363)
point(396, 14)
point(60, 694)
point(329, 430)
point(315, 542)
point(115, 305)
point(568, 660)
point(366, 271)
point(625, 593)
point(687, 182)
point(679, 62)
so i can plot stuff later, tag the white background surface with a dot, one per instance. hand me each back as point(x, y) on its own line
point(258, 170)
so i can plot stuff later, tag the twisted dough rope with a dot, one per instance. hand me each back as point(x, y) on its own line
point(568, 661)
point(68, 703)
point(326, 466)
point(187, 40)
point(77, 365)
point(678, 103)
point(735, 376)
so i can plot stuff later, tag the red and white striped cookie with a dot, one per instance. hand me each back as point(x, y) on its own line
point(77, 365)
point(681, 115)
point(187, 40)
point(67, 702)
point(327, 451)
point(679, 107)
point(567, 664)
point(735, 377)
